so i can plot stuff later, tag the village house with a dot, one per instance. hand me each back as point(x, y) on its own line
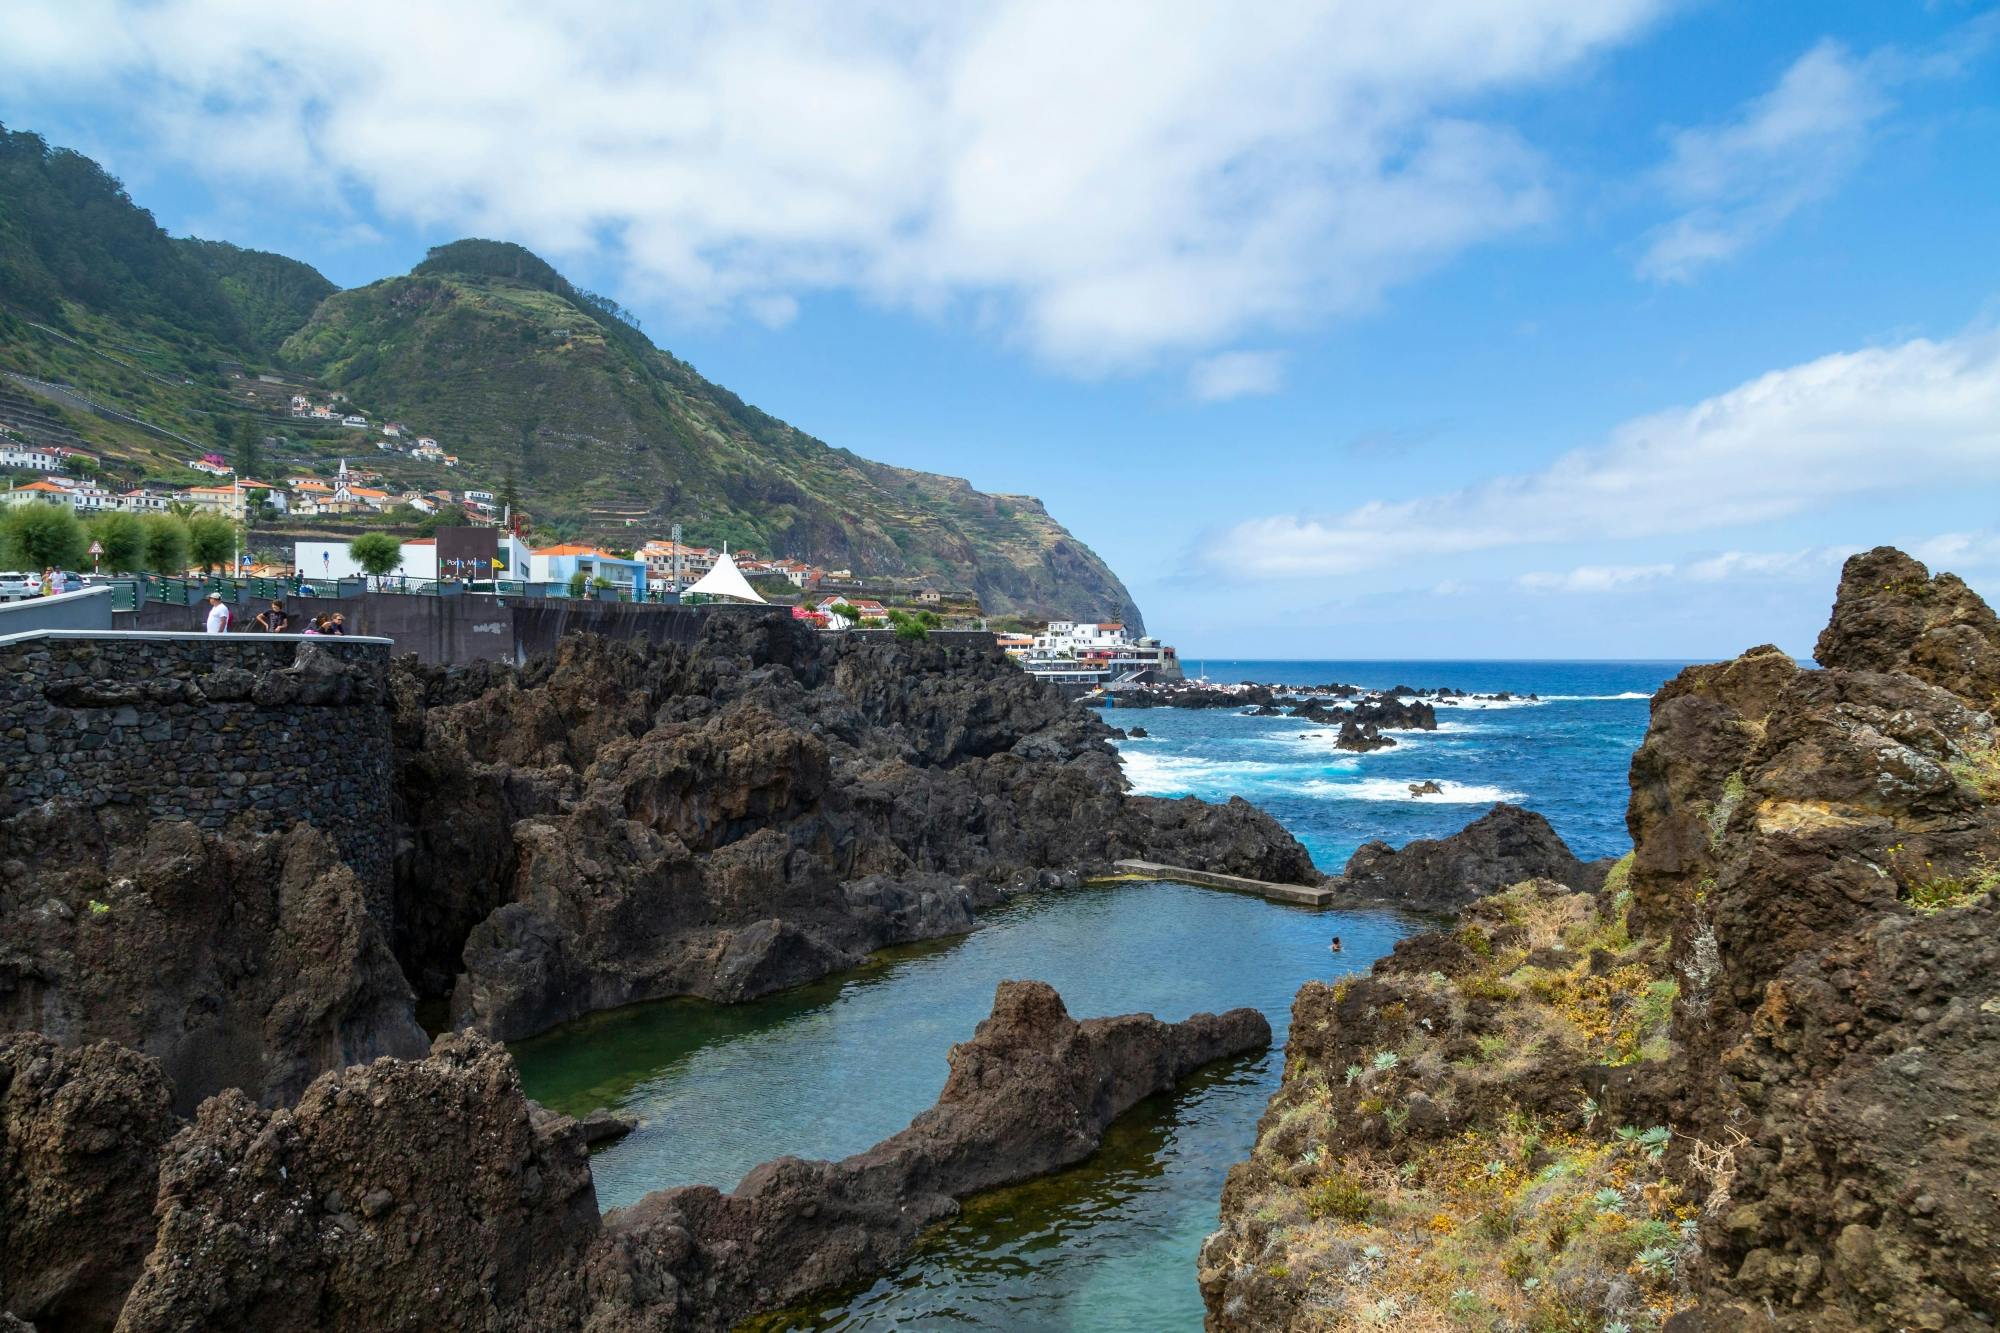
point(29, 457)
point(227, 501)
point(353, 422)
point(695, 561)
point(559, 563)
point(870, 611)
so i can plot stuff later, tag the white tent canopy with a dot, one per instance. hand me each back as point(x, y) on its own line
point(725, 580)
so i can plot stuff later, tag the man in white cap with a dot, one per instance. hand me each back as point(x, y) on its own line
point(218, 614)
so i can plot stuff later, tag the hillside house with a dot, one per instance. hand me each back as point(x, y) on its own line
point(353, 422)
point(27, 457)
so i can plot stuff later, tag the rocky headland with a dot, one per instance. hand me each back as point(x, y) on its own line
point(201, 1004)
point(1748, 1083)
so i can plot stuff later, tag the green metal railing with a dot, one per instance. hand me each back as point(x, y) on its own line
point(189, 591)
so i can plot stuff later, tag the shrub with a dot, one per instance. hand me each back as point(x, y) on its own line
point(212, 540)
point(377, 553)
point(166, 544)
point(38, 536)
point(123, 537)
point(1342, 1197)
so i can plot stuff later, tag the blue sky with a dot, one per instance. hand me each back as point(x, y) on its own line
point(1531, 329)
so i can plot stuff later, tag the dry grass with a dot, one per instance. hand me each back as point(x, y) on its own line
point(1978, 767)
point(1556, 1225)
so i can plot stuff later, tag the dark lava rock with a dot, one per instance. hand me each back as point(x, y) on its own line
point(604, 1126)
point(1138, 733)
point(1362, 738)
point(1504, 846)
point(80, 1135)
point(403, 1194)
point(1395, 714)
point(1032, 1092)
point(622, 822)
point(433, 1194)
point(1426, 788)
point(1890, 615)
point(245, 961)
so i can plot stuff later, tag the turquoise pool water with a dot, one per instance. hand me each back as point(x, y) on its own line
point(832, 1068)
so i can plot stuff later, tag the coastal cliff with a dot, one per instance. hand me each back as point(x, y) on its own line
point(1747, 1084)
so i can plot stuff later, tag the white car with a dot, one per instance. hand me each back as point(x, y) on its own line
point(15, 585)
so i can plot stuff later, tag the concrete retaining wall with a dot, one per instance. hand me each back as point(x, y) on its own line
point(88, 609)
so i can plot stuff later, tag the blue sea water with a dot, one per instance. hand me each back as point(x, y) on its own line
point(1564, 754)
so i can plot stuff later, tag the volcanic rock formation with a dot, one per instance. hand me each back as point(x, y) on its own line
point(248, 961)
point(621, 822)
point(433, 1194)
point(1751, 1083)
point(1504, 846)
point(80, 1135)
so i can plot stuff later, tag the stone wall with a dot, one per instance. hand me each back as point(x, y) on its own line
point(268, 729)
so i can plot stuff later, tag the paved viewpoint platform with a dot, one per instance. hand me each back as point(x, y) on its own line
point(1298, 894)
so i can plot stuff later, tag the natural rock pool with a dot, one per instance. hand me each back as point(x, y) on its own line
point(831, 1068)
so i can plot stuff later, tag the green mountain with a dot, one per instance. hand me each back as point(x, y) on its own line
point(530, 380)
point(270, 295)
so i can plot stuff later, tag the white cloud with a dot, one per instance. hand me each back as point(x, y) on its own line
point(1787, 149)
point(1724, 567)
point(1960, 551)
point(1739, 180)
point(1595, 578)
point(1812, 563)
point(1216, 379)
point(1874, 422)
point(1109, 184)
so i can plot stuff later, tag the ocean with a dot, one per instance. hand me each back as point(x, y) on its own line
point(1564, 754)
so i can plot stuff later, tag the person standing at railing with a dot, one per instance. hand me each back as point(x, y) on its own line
point(218, 614)
point(274, 620)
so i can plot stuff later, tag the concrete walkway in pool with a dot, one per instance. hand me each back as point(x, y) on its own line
point(1298, 894)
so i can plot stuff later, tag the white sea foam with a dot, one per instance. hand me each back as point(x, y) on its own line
point(1398, 789)
point(1178, 774)
point(1598, 698)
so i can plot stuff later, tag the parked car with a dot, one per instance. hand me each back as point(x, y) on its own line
point(15, 585)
